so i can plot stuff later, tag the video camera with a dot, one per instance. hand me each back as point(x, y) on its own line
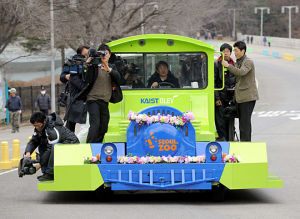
point(75, 64)
point(94, 54)
point(230, 112)
point(26, 166)
point(133, 69)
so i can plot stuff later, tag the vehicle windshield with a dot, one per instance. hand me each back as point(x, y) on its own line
point(162, 70)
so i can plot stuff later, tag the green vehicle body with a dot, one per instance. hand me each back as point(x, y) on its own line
point(70, 174)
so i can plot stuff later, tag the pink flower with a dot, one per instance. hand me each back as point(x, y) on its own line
point(130, 160)
point(94, 159)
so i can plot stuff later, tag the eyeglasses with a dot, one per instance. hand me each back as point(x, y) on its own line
point(38, 125)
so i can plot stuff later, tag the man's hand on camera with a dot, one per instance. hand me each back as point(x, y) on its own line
point(27, 154)
point(67, 76)
point(89, 60)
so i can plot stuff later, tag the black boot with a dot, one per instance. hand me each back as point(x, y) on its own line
point(46, 177)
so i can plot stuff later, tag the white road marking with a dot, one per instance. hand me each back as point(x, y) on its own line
point(8, 171)
point(292, 114)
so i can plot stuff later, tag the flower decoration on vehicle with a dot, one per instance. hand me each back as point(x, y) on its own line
point(142, 119)
point(230, 158)
point(160, 159)
point(92, 160)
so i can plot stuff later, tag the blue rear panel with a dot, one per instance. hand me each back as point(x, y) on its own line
point(161, 139)
point(161, 176)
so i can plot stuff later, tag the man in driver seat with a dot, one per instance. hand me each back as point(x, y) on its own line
point(163, 77)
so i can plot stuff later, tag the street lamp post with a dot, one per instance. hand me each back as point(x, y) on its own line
point(290, 16)
point(155, 5)
point(233, 25)
point(261, 16)
point(52, 58)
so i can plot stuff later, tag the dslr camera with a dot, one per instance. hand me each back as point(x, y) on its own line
point(94, 54)
point(26, 166)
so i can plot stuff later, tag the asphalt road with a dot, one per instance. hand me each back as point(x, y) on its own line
point(276, 121)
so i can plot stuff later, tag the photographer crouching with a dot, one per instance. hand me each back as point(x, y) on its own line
point(103, 83)
point(48, 130)
point(76, 111)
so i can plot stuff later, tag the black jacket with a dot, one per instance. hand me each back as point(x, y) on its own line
point(53, 132)
point(170, 79)
point(230, 81)
point(14, 104)
point(76, 109)
point(90, 76)
point(43, 102)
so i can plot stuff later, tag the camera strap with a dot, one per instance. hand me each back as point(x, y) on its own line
point(67, 87)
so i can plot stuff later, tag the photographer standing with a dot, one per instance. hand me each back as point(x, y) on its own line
point(246, 92)
point(48, 130)
point(99, 93)
point(72, 76)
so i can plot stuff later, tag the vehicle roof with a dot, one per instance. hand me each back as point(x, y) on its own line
point(155, 43)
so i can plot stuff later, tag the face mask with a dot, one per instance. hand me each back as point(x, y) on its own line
point(43, 92)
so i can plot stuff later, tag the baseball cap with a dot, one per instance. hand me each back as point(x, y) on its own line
point(13, 90)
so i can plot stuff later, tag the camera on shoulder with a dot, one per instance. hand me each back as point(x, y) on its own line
point(75, 64)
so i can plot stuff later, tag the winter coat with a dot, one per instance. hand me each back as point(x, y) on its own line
point(245, 89)
point(170, 79)
point(230, 80)
point(53, 132)
point(43, 102)
point(14, 104)
point(90, 77)
point(76, 109)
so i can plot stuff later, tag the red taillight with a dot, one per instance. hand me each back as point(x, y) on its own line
point(108, 158)
point(213, 157)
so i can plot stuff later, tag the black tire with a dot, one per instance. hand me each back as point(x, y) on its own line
point(104, 194)
point(218, 193)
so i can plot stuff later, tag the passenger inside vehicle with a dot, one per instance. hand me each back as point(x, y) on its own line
point(162, 77)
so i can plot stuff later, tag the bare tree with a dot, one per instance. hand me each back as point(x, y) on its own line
point(11, 15)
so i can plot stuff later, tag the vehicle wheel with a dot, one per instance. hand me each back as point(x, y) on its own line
point(231, 130)
point(104, 194)
point(218, 193)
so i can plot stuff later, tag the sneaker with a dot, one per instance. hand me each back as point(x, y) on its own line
point(46, 177)
point(13, 131)
point(17, 130)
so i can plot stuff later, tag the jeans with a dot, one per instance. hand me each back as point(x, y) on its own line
point(44, 157)
point(50, 166)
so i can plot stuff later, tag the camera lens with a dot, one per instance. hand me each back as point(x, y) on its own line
point(32, 170)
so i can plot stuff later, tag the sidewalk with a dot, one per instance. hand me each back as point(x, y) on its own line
point(6, 135)
point(26, 131)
